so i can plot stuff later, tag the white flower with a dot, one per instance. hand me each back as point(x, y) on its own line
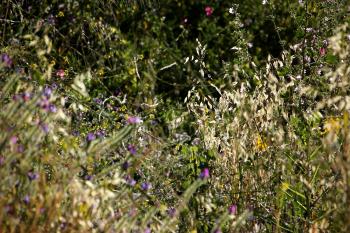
point(264, 2)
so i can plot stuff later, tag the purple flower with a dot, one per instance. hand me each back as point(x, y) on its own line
point(232, 209)
point(5, 58)
point(145, 186)
point(52, 108)
point(90, 137)
point(45, 128)
point(98, 101)
point(20, 148)
point(2, 160)
point(204, 174)
point(217, 230)
point(132, 149)
point(148, 230)
point(130, 180)
point(100, 133)
point(54, 86)
point(44, 104)
point(47, 92)
point(32, 175)
point(171, 212)
point(26, 199)
point(125, 165)
point(134, 120)
point(75, 133)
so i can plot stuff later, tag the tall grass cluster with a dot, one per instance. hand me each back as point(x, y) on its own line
point(175, 116)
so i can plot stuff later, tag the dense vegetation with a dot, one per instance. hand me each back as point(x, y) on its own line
point(175, 116)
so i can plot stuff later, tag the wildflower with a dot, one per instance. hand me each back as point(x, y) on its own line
point(90, 137)
point(264, 2)
point(217, 230)
point(52, 108)
point(134, 120)
point(132, 149)
point(14, 139)
point(32, 175)
point(260, 145)
point(145, 186)
point(148, 230)
point(47, 92)
point(125, 165)
point(20, 148)
point(60, 73)
point(2, 160)
point(232, 209)
point(45, 128)
point(209, 10)
point(100, 133)
point(322, 51)
point(26, 199)
point(171, 212)
point(5, 58)
point(332, 125)
point(26, 96)
point(98, 101)
point(204, 174)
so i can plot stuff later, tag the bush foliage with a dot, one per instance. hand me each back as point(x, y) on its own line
point(174, 116)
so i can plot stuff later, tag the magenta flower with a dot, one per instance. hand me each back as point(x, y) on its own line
point(209, 10)
point(204, 174)
point(322, 51)
point(134, 120)
point(14, 139)
point(60, 73)
point(2, 160)
point(232, 209)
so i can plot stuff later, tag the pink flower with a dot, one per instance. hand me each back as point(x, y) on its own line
point(322, 51)
point(60, 73)
point(204, 174)
point(209, 10)
point(134, 120)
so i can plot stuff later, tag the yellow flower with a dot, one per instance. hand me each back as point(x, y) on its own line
point(260, 145)
point(60, 14)
point(332, 125)
point(101, 72)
